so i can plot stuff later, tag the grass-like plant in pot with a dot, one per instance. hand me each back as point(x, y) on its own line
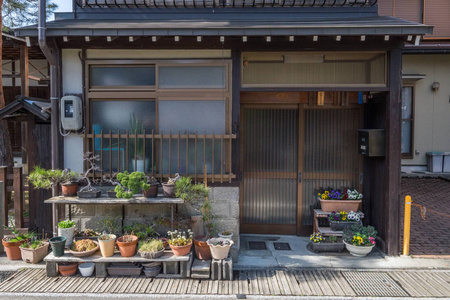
point(151, 249)
point(359, 240)
point(180, 242)
point(34, 251)
point(66, 229)
point(46, 179)
point(12, 243)
point(130, 184)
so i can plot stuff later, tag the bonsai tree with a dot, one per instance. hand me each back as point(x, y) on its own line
point(197, 195)
point(91, 159)
point(130, 184)
point(46, 179)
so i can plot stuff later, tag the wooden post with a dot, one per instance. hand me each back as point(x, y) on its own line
point(2, 221)
point(24, 81)
point(18, 197)
point(4, 205)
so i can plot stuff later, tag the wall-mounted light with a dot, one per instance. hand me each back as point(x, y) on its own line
point(435, 86)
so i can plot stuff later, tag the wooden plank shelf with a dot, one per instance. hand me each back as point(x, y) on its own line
point(327, 231)
point(104, 199)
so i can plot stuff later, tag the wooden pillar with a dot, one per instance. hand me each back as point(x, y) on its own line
point(3, 170)
point(18, 197)
point(2, 199)
point(393, 151)
point(235, 110)
point(13, 77)
point(24, 81)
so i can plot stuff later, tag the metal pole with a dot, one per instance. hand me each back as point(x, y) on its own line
point(407, 225)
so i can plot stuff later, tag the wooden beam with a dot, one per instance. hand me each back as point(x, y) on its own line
point(3, 171)
point(24, 72)
point(18, 197)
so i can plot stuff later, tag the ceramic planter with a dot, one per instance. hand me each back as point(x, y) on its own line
point(69, 189)
point(152, 271)
point(68, 234)
point(89, 194)
point(327, 247)
point(86, 269)
point(339, 205)
point(358, 250)
point(58, 244)
point(340, 225)
point(12, 249)
point(151, 255)
point(67, 269)
point(127, 249)
point(226, 236)
point(181, 250)
point(169, 190)
point(33, 256)
point(219, 251)
point(107, 246)
point(151, 192)
point(202, 250)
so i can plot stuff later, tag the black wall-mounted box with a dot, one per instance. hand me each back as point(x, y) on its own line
point(372, 142)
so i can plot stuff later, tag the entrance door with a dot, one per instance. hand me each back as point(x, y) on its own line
point(270, 169)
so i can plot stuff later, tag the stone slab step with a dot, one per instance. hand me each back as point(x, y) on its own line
point(201, 269)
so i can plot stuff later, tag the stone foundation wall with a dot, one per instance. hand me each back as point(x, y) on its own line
point(225, 211)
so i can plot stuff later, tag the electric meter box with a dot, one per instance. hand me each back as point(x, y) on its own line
point(70, 113)
point(372, 142)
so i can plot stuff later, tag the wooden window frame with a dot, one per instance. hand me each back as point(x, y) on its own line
point(410, 154)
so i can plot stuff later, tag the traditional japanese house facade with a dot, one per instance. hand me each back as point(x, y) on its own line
point(269, 95)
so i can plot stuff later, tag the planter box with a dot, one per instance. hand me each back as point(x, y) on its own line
point(89, 194)
point(340, 205)
point(340, 225)
point(327, 247)
point(34, 256)
point(124, 269)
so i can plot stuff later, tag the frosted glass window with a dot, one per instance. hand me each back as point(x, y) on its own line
point(123, 76)
point(407, 121)
point(190, 77)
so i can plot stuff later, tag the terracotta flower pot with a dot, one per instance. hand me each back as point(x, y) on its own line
point(169, 190)
point(127, 249)
point(12, 249)
point(34, 256)
point(70, 189)
point(151, 192)
point(339, 205)
point(202, 250)
point(67, 269)
point(107, 246)
point(165, 242)
point(181, 250)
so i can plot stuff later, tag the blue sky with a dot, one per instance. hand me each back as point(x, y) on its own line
point(64, 5)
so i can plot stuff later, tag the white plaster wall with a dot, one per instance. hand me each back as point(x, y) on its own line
point(72, 84)
point(432, 108)
point(156, 54)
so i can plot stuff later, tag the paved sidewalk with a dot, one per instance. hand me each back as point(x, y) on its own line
point(432, 235)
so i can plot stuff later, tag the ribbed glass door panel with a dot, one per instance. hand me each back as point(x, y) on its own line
point(270, 167)
point(331, 159)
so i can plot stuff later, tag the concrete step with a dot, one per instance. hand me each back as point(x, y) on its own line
point(201, 269)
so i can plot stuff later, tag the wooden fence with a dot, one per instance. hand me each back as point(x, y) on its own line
point(162, 155)
point(18, 188)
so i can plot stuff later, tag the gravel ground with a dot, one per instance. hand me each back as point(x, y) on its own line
point(5, 274)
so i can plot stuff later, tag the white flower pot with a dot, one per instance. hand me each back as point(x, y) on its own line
point(86, 269)
point(229, 236)
point(218, 251)
point(358, 250)
point(68, 234)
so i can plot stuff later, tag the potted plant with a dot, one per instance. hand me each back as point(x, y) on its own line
point(130, 184)
point(220, 247)
point(141, 230)
point(112, 180)
point(151, 249)
point(152, 190)
point(86, 234)
point(58, 243)
point(12, 243)
point(169, 186)
point(46, 179)
point(226, 234)
point(35, 251)
point(88, 191)
point(337, 201)
point(321, 244)
point(359, 240)
point(179, 242)
point(127, 245)
point(84, 247)
point(107, 243)
point(197, 196)
point(67, 268)
point(66, 228)
point(338, 221)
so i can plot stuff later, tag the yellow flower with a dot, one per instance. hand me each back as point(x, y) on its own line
point(324, 197)
point(344, 218)
point(327, 193)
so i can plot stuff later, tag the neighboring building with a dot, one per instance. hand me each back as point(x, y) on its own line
point(426, 81)
point(268, 95)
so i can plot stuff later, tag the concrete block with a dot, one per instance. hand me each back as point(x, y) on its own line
point(234, 251)
point(146, 211)
point(201, 269)
point(83, 210)
point(216, 269)
point(234, 210)
point(227, 269)
point(100, 270)
point(171, 267)
point(226, 194)
point(51, 268)
point(108, 211)
point(186, 267)
point(221, 209)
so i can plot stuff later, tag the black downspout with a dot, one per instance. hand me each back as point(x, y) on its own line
point(52, 59)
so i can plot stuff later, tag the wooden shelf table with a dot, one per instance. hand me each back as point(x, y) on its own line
point(326, 231)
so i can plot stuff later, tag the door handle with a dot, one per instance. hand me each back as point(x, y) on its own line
point(299, 176)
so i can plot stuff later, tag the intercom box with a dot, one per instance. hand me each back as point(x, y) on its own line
point(372, 142)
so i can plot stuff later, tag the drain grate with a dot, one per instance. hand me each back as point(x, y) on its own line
point(257, 245)
point(374, 284)
point(282, 246)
